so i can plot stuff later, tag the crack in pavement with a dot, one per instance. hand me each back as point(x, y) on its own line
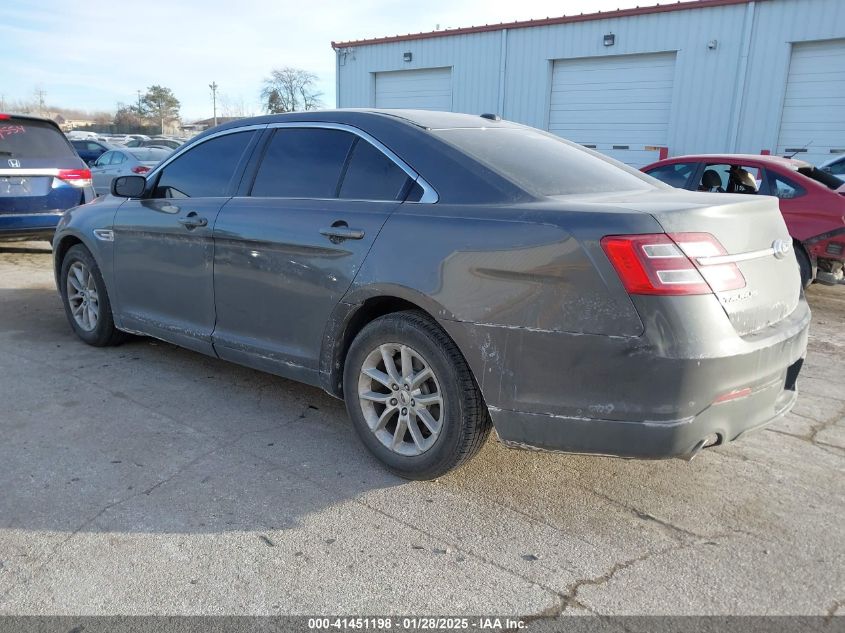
point(832, 609)
point(568, 599)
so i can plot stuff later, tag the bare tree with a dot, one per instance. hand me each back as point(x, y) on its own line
point(290, 90)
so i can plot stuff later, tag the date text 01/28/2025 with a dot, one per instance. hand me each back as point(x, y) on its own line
point(415, 623)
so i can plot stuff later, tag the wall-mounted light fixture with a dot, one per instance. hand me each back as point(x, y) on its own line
point(609, 39)
point(713, 44)
point(408, 56)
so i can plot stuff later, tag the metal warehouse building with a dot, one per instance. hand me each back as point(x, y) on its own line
point(692, 77)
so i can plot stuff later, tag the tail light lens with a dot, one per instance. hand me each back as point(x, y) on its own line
point(75, 177)
point(662, 264)
point(140, 169)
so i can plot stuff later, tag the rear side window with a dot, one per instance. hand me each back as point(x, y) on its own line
point(303, 163)
point(370, 175)
point(204, 171)
point(542, 164)
point(674, 175)
point(784, 188)
point(25, 138)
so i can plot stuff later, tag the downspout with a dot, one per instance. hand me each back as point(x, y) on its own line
point(337, 55)
point(503, 61)
point(742, 75)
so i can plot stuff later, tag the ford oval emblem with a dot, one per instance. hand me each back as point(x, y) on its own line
point(781, 248)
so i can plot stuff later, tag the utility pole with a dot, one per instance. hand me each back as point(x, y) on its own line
point(139, 104)
point(40, 92)
point(213, 86)
point(161, 114)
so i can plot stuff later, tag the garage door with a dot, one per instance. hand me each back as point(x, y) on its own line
point(618, 105)
point(423, 89)
point(814, 107)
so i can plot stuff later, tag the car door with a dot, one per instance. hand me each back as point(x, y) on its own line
point(163, 247)
point(115, 167)
point(99, 173)
point(288, 248)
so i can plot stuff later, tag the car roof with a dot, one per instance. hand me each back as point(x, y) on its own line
point(427, 119)
point(789, 163)
point(31, 117)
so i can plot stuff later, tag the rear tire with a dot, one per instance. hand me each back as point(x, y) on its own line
point(425, 415)
point(86, 300)
point(804, 265)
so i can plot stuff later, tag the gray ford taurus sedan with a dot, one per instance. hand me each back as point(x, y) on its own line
point(442, 272)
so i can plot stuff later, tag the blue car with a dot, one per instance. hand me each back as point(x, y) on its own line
point(41, 176)
point(90, 150)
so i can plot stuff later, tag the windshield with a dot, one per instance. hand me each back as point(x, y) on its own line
point(543, 164)
point(27, 138)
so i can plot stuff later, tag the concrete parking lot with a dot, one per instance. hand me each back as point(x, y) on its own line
point(149, 479)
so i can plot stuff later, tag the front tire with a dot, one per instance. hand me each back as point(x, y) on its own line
point(412, 398)
point(86, 300)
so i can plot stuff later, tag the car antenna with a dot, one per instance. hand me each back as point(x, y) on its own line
point(803, 149)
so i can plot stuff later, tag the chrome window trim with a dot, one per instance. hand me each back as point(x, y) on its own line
point(189, 146)
point(429, 194)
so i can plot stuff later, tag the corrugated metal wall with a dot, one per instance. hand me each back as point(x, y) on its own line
point(725, 99)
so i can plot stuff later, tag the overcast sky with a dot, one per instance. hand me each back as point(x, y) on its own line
point(96, 53)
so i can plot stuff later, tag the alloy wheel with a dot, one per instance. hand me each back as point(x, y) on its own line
point(401, 399)
point(82, 296)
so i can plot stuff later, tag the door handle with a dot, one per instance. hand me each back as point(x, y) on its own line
point(340, 231)
point(192, 221)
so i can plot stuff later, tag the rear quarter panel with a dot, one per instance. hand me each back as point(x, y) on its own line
point(490, 275)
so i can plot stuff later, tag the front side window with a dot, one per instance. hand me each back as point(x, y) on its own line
point(303, 163)
point(104, 159)
point(117, 158)
point(675, 174)
point(204, 171)
point(730, 178)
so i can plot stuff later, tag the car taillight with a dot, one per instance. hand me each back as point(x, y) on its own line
point(662, 264)
point(140, 169)
point(75, 177)
point(5, 117)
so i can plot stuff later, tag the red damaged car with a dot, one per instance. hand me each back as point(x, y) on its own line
point(812, 201)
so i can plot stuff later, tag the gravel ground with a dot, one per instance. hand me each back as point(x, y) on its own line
point(146, 479)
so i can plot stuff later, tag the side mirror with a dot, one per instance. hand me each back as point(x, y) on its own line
point(128, 186)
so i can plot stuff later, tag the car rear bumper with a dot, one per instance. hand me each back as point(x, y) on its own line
point(718, 424)
point(29, 225)
point(660, 395)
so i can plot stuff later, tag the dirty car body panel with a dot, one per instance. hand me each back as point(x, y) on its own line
point(510, 261)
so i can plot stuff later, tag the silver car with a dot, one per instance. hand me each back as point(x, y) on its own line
point(124, 162)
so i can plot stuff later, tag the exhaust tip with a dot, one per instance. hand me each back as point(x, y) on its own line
point(710, 440)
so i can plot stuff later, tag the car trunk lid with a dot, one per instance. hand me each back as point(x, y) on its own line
point(752, 231)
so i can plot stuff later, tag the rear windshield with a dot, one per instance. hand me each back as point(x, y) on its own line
point(25, 138)
point(828, 180)
point(543, 164)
